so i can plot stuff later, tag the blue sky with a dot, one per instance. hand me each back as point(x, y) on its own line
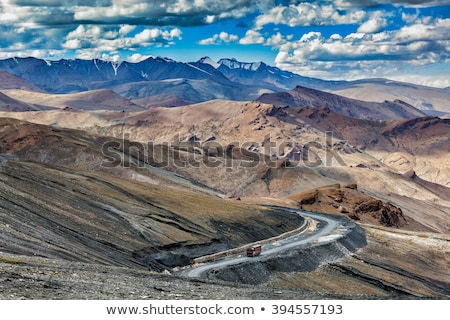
point(406, 40)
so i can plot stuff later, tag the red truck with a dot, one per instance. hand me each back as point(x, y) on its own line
point(254, 251)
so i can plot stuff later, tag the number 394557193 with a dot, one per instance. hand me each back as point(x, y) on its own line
point(307, 309)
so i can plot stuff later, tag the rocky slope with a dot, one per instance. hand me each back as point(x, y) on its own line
point(394, 265)
point(66, 213)
point(88, 222)
point(306, 97)
point(347, 200)
point(419, 144)
point(285, 151)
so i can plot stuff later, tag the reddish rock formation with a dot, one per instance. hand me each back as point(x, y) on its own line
point(347, 200)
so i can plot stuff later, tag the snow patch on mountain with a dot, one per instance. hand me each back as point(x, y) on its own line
point(211, 62)
point(190, 65)
point(234, 64)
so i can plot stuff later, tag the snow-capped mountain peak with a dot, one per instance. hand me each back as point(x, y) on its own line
point(234, 64)
point(211, 62)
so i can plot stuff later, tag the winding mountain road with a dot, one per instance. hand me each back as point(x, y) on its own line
point(329, 228)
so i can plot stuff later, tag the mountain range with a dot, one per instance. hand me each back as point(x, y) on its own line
point(165, 82)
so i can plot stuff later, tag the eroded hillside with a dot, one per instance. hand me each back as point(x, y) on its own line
point(65, 213)
point(156, 188)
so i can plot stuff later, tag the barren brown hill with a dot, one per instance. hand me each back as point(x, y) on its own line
point(160, 100)
point(262, 137)
point(11, 81)
point(427, 99)
point(303, 97)
point(423, 135)
point(89, 100)
point(80, 150)
point(66, 213)
point(427, 135)
point(420, 144)
point(394, 263)
point(54, 208)
point(58, 202)
point(9, 104)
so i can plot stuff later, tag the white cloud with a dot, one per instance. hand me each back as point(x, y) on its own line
point(252, 37)
point(117, 12)
point(372, 25)
point(137, 57)
point(358, 55)
point(164, 12)
point(335, 36)
point(72, 44)
point(40, 54)
point(109, 57)
point(226, 38)
point(87, 54)
point(410, 18)
point(208, 41)
point(191, 12)
point(309, 14)
point(148, 35)
point(110, 40)
point(374, 3)
point(425, 30)
point(218, 38)
point(278, 39)
point(440, 80)
point(83, 32)
point(126, 29)
point(310, 36)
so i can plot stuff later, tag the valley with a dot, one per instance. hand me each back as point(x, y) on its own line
point(116, 177)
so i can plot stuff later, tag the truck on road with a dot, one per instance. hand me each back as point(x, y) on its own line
point(254, 251)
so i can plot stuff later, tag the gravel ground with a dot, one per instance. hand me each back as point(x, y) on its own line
point(44, 279)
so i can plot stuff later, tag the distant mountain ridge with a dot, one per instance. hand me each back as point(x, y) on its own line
point(273, 78)
point(65, 76)
point(193, 84)
point(306, 97)
point(183, 83)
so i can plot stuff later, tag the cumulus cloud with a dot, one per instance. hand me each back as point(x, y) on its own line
point(375, 3)
point(133, 12)
point(91, 41)
point(112, 28)
point(112, 21)
point(278, 39)
point(137, 57)
point(438, 29)
point(37, 53)
point(309, 14)
point(190, 12)
point(219, 38)
point(252, 37)
point(373, 25)
point(369, 54)
point(27, 37)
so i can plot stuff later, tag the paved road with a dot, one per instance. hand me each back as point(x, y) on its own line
point(326, 231)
